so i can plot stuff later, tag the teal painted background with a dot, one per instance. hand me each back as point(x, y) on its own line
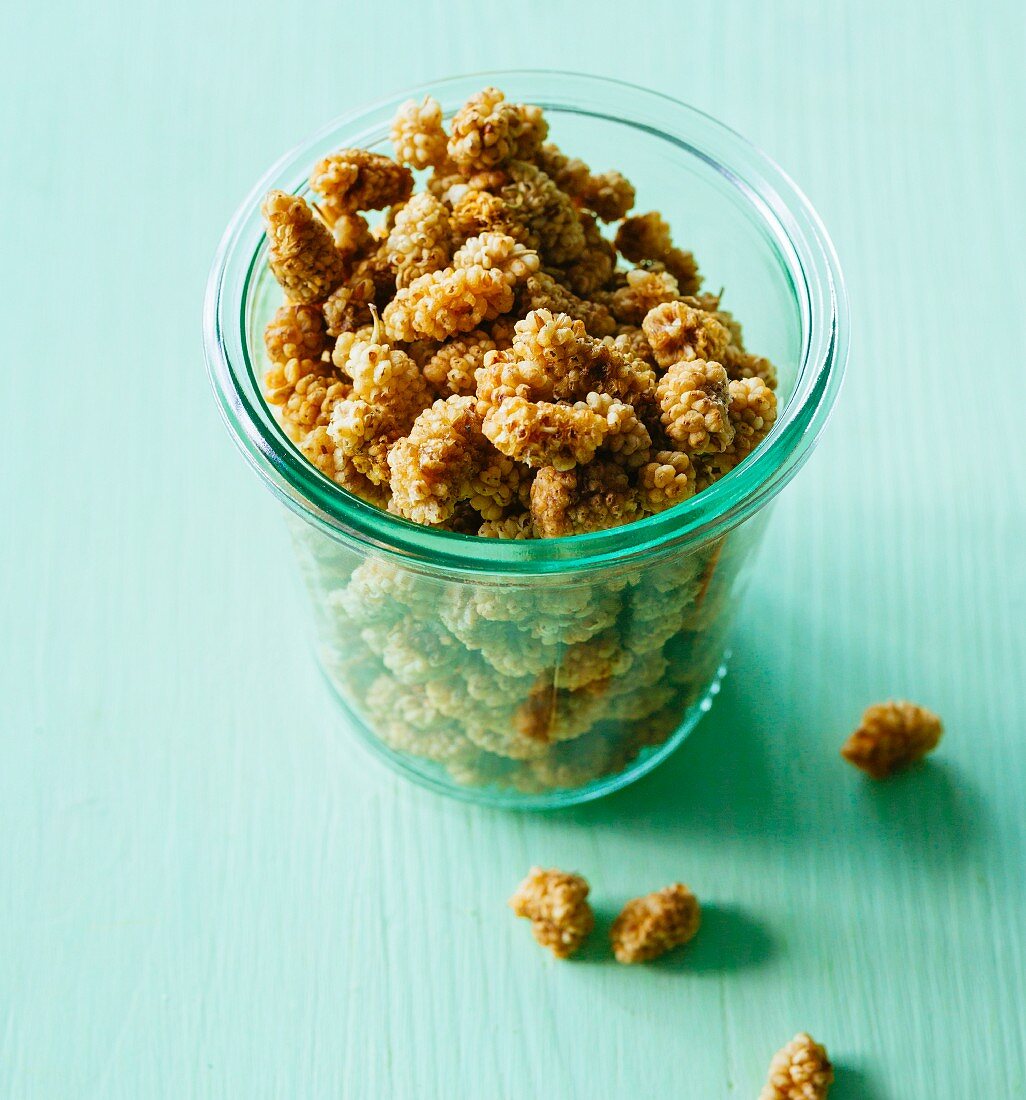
point(206, 892)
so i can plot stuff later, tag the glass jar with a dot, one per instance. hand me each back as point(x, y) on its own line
point(545, 672)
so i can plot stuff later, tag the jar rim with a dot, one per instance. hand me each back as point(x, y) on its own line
point(775, 200)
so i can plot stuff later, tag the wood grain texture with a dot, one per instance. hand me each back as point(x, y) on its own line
point(206, 891)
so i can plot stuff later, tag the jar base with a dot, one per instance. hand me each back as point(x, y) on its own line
point(433, 776)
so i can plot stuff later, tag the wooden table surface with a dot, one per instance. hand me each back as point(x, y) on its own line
point(207, 891)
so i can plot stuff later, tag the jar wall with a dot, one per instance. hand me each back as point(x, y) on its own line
point(536, 692)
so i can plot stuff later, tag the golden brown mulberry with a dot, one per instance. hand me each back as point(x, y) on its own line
point(609, 195)
point(647, 237)
point(497, 251)
point(443, 303)
point(891, 737)
point(352, 236)
point(352, 180)
point(478, 287)
point(570, 174)
point(417, 134)
point(515, 526)
point(420, 240)
point(363, 431)
point(311, 402)
point(548, 214)
point(556, 904)
point(594, 267)
point(432, 467)
point(451, 368)
point(486, 132)
point(447, 183)
point(650, 926)
point(800, 1071)
point(742, 364)
point(321, 450)
point(495, 486)
point(476, 212)
point(545, 434)
point(632, 343)
point(296, 332)
point(505, 375)
point(643, 291)
point(388, 393)
point(371, 283)
point(541, 291)
point(554, 359)
point(589, 498)
point(626, 439)
point(694, 400)
point(379, 371)
point(301, 253)
point(666, 481)
point(676, 331)
point(281, 379)
point(753, 411)
point(346, 342)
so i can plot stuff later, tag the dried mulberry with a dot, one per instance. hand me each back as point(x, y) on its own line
point(541, 291)
point(516, 526)
point(556, 904)
point(420, 240)
point(443, 303)
point(534, 129)
point(549, 216)
point(545, 434)
point(478, 287)
point(694, 399)
point(499, 252)
point(608, 194)
point(675, 331)
point(570, 174)
point(626, 440)
point(431, 468)
point(354, 179)
point(301, 253)
point(589, 498)
point(752, 411)
point(388, 393)
point(486, 132)
point(352, 236)
point(495, 486)
point(642, 292)
point(800, 1071)
point(632, 343)
point(647, 237)
point(417, 134)
point(296, 332)
point(594, 267)
point(371, 283)
point(666, 481)
point(320, 448)
point(476, 212)
point(452, 367)
point(650, 926)
point(742, 364)
point(891, 737)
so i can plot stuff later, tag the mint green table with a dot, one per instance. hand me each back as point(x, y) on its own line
point(206, 891)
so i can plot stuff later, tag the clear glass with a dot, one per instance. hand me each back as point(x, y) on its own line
point(546, 672)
